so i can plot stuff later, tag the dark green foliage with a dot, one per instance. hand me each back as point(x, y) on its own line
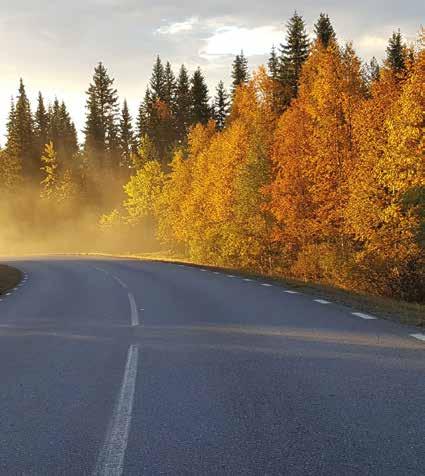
point(201, 111)
point(221, 106)
point(127, 142)
point(157, 81)
point(41, 126)
point(183, 105)
point(273, 64)
point(324, 30)
point(293, 53)
point(240, 73)
point(396, 53)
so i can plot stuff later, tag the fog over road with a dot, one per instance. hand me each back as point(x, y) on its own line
point(113, 367)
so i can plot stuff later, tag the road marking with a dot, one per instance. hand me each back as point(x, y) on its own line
point(418, 336)
point(230, 276)
point(291, 292)
point(367, 317)
point(120, 281)
point(216, 272)
point(133, 309)
point(266, 285)
point(8, 294)
point(247, 280)
point(321, 301)
point(203, 270)
point(111, 457)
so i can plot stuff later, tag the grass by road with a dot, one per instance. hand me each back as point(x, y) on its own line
point(9, 278)
point(391, 309)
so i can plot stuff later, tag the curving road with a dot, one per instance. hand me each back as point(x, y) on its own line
point(113, 367)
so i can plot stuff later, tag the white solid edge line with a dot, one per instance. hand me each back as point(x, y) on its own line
point(110, 461)
point(321, 301)
point(133, 309)
point(266, 285)
point(418, 336)
point(364, 316)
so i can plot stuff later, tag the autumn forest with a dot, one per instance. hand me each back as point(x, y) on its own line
point(310, 167)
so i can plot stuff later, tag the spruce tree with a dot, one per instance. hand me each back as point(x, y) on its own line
point(240, 73)
point(221, 106)
point(169, 86)
point(41, 125)
point(21, 141)
point(201, 112)
point(293, 53)
point(157, 81)
point(324, 30)
point(273, 64)
point(396, 53)
point(101, 129)
point(183, 105)
point(126, 136)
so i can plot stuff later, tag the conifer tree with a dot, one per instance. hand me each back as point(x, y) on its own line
point(41, 125)
point(273, 64)
point(240, 73)
point(157, 82)
point(126, 136)
point(101, 129)
point(145, 110)
point(21, 140)
point(293, 53)
point(201, 112)
point(324, 30)
point(183, 105)
point(396, 53)
point(169, 86)
point(221, 106)
point(49, 167)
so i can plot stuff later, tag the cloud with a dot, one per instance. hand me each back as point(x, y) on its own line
point(178, 27)
point(230, 40)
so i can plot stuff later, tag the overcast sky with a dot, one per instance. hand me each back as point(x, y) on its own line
point(54, 45)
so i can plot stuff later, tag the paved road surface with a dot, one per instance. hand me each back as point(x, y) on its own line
point(113, 367)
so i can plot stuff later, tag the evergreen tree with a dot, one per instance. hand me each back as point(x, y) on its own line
point(396, 53)
point(21, 141)
point(144, 113)
point(201, 112)
point(169, 86)
point(41, 126)
point(183, 104)
point(157, 82)
point(126, 136)
point(324, 30)
point(293, 53)
point(221, 106)
point(273, 64)
point(240, 73)
point(101, 129)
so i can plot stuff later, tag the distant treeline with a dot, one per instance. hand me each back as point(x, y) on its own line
point(313, 166)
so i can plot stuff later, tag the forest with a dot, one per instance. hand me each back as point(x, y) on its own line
point(311, 167)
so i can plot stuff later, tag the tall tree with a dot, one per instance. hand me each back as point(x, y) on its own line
point(157, 82)
point(294, 52)
point(240, 73)
point(101, 129)
point(273, 64)
point(221, 106)
point(324, 30)
point(183, 104)
point(396, 53)
point(41, 125)
point(201, 112)
point(126, 136)
point(21, 141)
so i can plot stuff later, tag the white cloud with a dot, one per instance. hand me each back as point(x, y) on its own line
point(231, 40)
point(178, 27)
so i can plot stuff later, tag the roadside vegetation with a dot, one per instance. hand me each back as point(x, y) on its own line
point(311, 169)
point(9, 278)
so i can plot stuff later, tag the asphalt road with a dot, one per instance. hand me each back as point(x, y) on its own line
point(112, 367)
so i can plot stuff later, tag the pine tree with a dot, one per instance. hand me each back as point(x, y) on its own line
point(144, 113)
point(221, 106)
point(126, 136)
point(240, 73)
point(101, 129)
point(41, 126)
point(293, 53)
point(50, 167)
point(183, 105)
point(273, 64)
point(324, 30)
point(396, 53)
point(201, 112)
point(169, 86)
point(157, 81)
point(21, 139)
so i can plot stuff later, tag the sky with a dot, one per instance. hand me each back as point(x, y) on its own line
point(54, 45)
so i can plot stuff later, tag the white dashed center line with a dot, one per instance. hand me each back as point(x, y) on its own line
point(321, 301)
point(133, 309)
point(291, 292)
point(267, 285)
point(367, 317)
point(418, 336)
point(248, 280)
